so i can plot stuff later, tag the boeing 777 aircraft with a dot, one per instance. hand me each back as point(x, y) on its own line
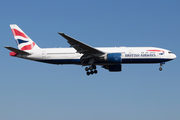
point(110, 58)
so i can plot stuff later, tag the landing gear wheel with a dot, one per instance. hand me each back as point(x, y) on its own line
point(88, 73)
point(91, 70)
point(160, 68)
point(86, 68)
point(95, 71)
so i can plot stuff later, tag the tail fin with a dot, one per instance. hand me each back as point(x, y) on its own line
point(23, 41)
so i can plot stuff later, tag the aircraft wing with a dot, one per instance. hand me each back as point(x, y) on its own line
point(17, 50)
point(81, 47)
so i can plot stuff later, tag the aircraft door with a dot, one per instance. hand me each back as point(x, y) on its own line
point(44, 54)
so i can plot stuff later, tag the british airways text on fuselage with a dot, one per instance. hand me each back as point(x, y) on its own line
point(140, 55)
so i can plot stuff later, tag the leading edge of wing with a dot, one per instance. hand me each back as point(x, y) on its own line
point(16, 50)
point(81, 47)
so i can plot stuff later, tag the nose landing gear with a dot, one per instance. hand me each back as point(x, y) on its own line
point(91, 70)
point(161, 64)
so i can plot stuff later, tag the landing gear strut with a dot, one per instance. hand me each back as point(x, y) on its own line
point(91, 70)
point(161, 64)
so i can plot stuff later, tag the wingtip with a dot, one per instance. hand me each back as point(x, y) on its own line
point(60, 33)
point(6, 46)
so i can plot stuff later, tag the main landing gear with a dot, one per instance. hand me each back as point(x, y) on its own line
point(91, 70)
point(161, 64)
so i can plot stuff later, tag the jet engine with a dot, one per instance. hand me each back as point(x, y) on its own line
point(113, 57)
point(113, 68)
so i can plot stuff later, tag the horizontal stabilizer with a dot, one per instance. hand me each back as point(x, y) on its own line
point(17, 50)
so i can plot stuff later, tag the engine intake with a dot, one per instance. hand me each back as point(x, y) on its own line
point(114, 57)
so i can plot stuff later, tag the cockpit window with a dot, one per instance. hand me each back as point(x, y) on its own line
point(169, 52)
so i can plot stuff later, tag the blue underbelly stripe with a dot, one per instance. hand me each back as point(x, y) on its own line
point(78, 61)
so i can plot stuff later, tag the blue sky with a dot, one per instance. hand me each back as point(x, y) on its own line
point(31, 90)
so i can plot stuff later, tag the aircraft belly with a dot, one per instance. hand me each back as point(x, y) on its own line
point(144, 60)
point(61, 61)
point(124, 61)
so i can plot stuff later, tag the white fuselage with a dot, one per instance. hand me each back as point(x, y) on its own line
point(128, 55)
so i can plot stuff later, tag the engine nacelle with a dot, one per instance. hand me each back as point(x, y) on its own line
point(113, 57)
point(113, 68)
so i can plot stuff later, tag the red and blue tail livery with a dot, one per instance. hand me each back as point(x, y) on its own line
point(110, 58)
point(23, 41)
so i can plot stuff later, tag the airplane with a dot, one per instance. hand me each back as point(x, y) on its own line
point(110, 58)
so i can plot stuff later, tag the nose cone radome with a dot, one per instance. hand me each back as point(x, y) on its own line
point(173, 56)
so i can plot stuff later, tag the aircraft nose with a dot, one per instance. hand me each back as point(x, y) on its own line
point(173, 56)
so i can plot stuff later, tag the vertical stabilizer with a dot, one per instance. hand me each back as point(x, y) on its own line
point(23, 41)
